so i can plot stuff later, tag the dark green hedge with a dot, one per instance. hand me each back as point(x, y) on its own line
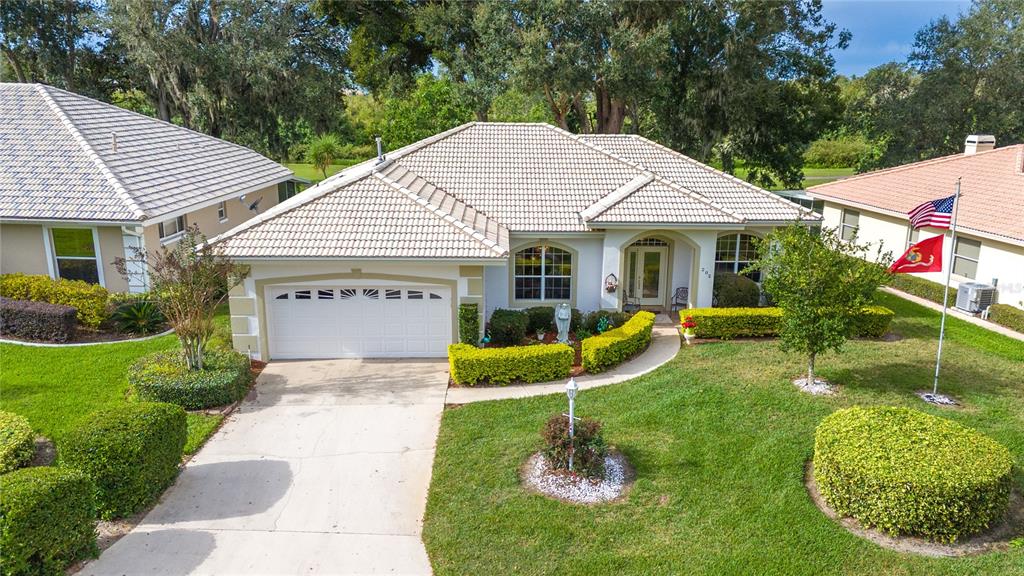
point(164, 377)
point(592, 320)
point(17, 442)
point(605, 350)
point(1008, 316)
point(508, 327)
point(734, 291)
point(540, 318)
point(907, 472)
point(726, 323)
point(920, 287)
point(46, 520)
point(131, 452)
point(539, 363)
point(469, 324)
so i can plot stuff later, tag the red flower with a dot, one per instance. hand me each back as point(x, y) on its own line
point(689, 323)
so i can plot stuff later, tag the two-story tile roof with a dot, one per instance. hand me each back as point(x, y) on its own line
point(69, 157)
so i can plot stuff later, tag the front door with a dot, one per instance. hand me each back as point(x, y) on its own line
point(645, 274)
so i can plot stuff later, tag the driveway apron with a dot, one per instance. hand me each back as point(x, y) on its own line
point(325, 471)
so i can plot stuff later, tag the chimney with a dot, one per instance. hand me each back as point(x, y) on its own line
point(979, 143)
point(113, 142)
point(380, 149)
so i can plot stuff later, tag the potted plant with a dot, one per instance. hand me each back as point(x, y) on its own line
point(688, 326)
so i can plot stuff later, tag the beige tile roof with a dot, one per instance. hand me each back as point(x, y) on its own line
point(992, 189)
point(60, 163)
point(487, 179)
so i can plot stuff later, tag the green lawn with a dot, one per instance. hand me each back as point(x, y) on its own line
point(56, 388)
point(309, 172)
point(719, 439)
point(812, 176)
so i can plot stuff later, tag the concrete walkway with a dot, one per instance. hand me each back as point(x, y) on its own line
point(664, 346)
point(953, 312)
point(326, 471)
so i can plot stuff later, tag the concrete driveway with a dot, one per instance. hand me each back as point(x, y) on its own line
point(325, 472)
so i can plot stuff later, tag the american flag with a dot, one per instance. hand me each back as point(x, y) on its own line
point(935, 213)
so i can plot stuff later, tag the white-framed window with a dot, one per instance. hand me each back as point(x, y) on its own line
point(965, 257)
point(914, 238)
point(286, 190)
point(75, 254)
point(222, 211)
point(734, 252)
point(171, 228)
point(542, 273)
point(849, 224)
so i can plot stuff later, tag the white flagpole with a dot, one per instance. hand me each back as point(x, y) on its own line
point(945, 293)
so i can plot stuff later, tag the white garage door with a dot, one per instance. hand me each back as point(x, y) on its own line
point(359, 321)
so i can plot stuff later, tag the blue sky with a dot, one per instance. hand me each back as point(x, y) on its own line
point(883, 31)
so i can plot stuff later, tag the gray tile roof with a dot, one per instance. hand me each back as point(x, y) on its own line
point(60, 160)
point(486, 179)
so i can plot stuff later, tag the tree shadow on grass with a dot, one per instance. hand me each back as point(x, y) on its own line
point(959, 379)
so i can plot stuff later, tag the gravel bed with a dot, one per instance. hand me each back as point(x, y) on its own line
point(818, 388)
point(558, 484)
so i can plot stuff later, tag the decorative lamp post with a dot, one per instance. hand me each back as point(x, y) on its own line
point(571, 388)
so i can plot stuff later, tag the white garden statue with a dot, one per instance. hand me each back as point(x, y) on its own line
point(563, 315)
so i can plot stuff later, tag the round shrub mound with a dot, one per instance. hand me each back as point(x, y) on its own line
point(735, 291)
point(46, 519)
point(131, 452)
point(16, 442)
point(907, 472)
point(164, 377)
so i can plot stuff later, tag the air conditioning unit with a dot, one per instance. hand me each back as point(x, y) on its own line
point(974, 297)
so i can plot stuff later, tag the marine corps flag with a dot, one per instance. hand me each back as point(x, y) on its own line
point(925, 256)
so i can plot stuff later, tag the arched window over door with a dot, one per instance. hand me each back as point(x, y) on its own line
point(734, 252)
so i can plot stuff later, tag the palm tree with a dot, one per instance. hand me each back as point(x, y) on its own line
point(323, 151)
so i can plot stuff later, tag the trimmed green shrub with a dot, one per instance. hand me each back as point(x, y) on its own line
point(37, 320)
point(907, 472)
point(873, 322)
point(587, 445)
point(592, 321)
point(469, 324)
point(1008, 316)
point(90, 300)
point(17, 442)
point(46, 520)
point(727, 323)
point(920, 287)
point(470, 366)
point(605, 350)
point(131, 452)
point(164, 377)
point(540, 318)
point(576, 320)
point(508, 327)
point(735, 291)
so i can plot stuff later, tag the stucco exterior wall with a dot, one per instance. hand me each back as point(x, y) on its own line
point(22, 249)
point(111, 247)
point(207, 220)
point(998, 261)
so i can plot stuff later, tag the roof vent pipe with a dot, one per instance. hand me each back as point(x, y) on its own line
point(113, 142)
point(979, 143)
point(380, 149)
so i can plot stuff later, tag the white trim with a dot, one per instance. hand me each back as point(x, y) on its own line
point(51, 257)
point(51, 251)
point(99, 256)
point(70, 221)
point(615, 196)
point(222, 211)
point(464, 261)
point(77, 344)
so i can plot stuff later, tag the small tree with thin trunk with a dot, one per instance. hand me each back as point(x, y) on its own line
point(189, 280)
point(323, 151)
point(821, 282)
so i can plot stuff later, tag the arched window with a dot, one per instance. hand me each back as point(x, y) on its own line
point(543, 273)
point(734, 252)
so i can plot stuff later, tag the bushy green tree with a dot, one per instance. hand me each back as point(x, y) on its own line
point(323, 151)
point(432, 107)
point(821, 282)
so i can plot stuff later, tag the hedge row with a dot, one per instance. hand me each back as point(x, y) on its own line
point(131, 453)
point(90, 300)
point(907, 472)
point(164, 377)
point(469, 323)
point(920, 287)
point(37, 320)
point(17, 442)
point(727, 323)
point(470, 366)
point(46, 520)
point(1008, 316)
point(605, 350)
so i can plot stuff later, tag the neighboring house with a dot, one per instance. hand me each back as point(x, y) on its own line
point(83, 182)
point(990, 228)
point(375, 260)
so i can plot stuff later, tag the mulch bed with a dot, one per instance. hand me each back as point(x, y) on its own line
point(87, 336)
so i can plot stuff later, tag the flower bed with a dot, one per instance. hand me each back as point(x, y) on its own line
point(727, 323)
point(470, 365)
point(612, 347)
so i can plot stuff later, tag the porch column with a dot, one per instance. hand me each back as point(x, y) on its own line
point(704, 260)
point(612, 264)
